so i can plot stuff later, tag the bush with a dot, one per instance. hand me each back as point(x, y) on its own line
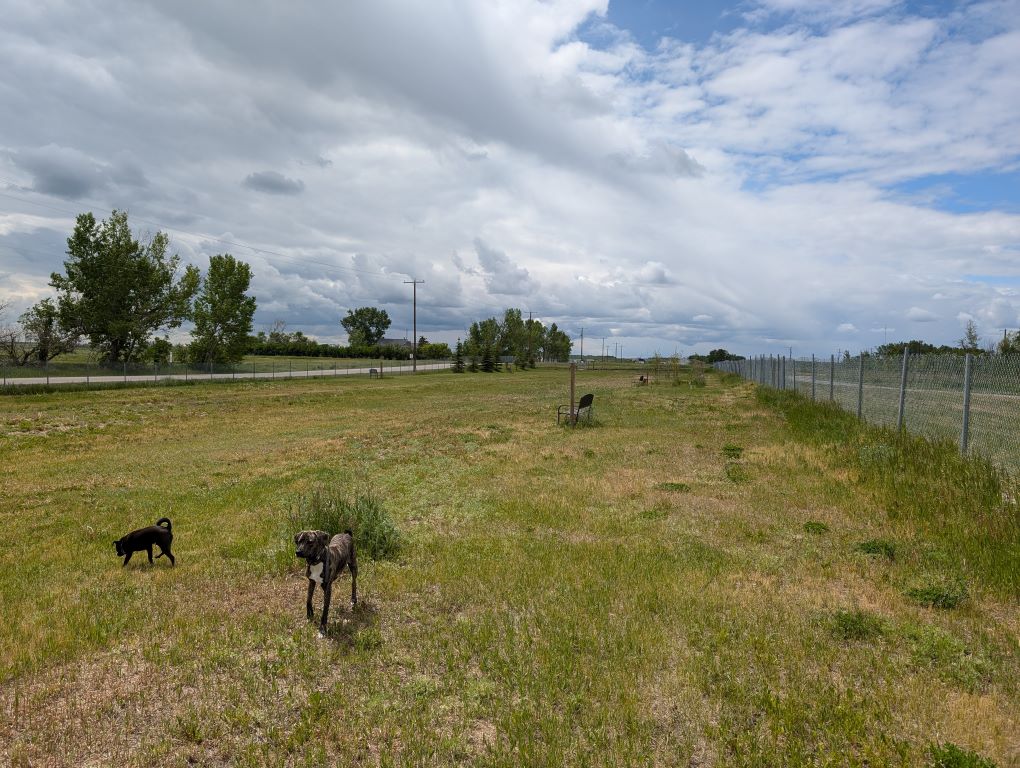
point(330, 509)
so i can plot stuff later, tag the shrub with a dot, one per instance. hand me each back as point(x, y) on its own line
point(329, 509)
point(813, 526)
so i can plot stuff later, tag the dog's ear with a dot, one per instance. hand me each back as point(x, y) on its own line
point(297, 539)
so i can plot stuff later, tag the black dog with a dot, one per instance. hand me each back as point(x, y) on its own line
point(158, 534)
point(327, 559)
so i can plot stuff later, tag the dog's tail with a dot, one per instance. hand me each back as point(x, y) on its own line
point(163, 520)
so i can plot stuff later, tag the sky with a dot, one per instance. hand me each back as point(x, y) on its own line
point(763, 176)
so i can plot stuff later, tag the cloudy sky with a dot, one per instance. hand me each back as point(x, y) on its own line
point(756, 175)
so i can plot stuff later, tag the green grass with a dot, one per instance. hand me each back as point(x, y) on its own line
point(554, 600)
point(331, 509)
point(965, 504)
point(878, 547)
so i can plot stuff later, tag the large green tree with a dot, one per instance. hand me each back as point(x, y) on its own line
point(117, 290)
point(223, 312)
point(366, 325)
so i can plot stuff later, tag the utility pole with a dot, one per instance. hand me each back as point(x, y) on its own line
point(582, 342)
point(414, 323)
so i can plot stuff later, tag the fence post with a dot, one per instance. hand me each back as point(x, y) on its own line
point(253, 370)
point(965, 429)
point(832, 377)
point(125, 371)
point(812, 378)
point(46, 363)
point(793, 360)
point(274, 370)
point(290, 369)
point(860, 387)
point(903, 391)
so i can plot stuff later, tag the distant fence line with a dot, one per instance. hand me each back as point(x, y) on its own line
point(973, 400)
point(135, 373)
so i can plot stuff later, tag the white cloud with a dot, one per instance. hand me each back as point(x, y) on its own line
point(919, 315)
point(728, 193)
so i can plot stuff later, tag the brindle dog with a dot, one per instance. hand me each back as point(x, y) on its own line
point(326, 559)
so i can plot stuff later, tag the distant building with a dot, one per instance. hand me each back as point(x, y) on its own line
point(402, 343)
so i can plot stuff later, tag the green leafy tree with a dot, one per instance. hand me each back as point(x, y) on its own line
point(1010, 344)
point(556, 344)
point(119, 291)
point(223, 312)
point(366, 326)
point(158, 352)
point(971, 341)
point(41, 336)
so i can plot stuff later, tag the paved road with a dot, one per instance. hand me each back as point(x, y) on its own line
point(151, 378)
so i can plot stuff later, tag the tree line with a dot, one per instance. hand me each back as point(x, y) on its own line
point(117, 291)
point(526, 342)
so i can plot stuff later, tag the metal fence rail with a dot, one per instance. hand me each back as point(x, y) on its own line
point(971, 399)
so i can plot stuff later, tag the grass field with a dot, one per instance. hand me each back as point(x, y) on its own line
point(705, 577)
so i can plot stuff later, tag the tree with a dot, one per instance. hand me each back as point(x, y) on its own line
point(119, 291)
point(556, 344)
point(458, 358)
point(971, 341)
point(1010, 344)
point(366, 326)
point(44, 334)
point(223, 312)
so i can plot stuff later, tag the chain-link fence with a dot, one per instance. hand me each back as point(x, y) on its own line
point(971, 399)
point(89, 372)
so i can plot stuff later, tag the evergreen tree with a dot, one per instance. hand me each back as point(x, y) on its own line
point(488, 359)
point(458, 358)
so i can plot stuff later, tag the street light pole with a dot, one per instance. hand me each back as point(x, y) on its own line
point(414, 323)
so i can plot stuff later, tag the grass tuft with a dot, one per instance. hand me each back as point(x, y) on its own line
point(878, 547)
point(328, 508)
point(732, 451)
point(816, 527)
point(941, 592)
point(949, 755)
point(856, 625)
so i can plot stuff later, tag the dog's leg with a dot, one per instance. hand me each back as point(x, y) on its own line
point(327, 593)
point(149, 550)
point(170, 555)
point(127, 557)
point(308, 602)
point(354, 584)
